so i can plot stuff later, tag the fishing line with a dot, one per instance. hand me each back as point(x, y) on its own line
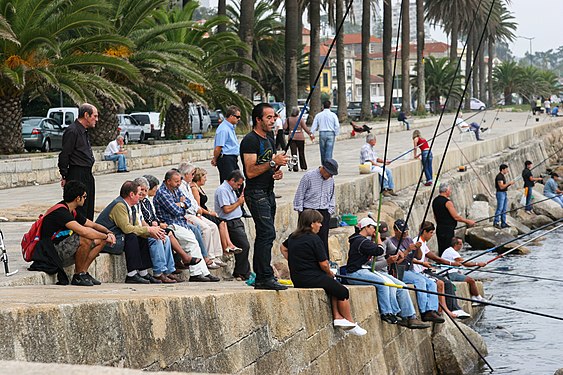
point(500, 273)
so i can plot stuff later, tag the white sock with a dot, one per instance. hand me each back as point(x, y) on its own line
point(143, 273)
point(132, 273)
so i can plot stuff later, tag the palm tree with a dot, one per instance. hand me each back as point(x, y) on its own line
point(340, 73)
point(48, 44)
point(405, 57)
point(365, 112)
point(421, 92)
point(292, 33)
point(387, 56)
point(314, 56)
point(507, 79)
point(438, 75)
point(246, 35)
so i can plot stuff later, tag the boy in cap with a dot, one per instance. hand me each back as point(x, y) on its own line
point(393, 302)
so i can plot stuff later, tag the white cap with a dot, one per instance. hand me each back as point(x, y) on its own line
point(365, 222)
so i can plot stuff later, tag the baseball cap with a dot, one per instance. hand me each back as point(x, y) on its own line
point(400, 225)
point(383, 229)
point(331, 166)
point(365, 222)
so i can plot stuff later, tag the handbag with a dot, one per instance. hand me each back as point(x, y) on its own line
point(116, 249)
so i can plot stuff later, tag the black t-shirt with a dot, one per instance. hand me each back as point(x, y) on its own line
point(500, 178)
point(441, 213)
point(304, 254)
point(526, 174)
point(361, 249)
point(263, 148)
point(56, 221)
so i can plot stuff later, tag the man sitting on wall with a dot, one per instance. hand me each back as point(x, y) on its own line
point(371, 163)
point(115, 152)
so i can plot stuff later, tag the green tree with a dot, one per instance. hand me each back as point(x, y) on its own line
point(507, 79)
point(438, 76)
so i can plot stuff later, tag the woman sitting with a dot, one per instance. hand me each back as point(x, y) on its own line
point(309, 268)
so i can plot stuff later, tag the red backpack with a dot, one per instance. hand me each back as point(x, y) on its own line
point(32, 237)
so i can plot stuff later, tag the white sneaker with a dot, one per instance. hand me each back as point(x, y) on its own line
point(343, 323)
point(478, 299)
point(460, 314)
point(357, 331)
point(213, 266)
point(219, 262)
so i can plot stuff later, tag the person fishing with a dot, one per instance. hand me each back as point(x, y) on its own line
point(425, 155)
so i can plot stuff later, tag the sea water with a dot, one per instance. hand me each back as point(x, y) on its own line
point(521, 343)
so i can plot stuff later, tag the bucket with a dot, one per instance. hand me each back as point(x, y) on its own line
point(350, 219)
point(199, 136)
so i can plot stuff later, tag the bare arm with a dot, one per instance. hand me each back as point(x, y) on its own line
point(254, 170)
point(284, 251)
point(216, 154)
point(86, 232)
point(231, 207)
point(415, 141)
point(325, 267)
point(456, 216)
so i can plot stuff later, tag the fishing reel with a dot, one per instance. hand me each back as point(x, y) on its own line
point(292, 162)
point(4, 257)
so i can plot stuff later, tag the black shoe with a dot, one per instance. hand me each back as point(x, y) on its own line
point(432, 316)
point(389, 318)
point(136, 279)
point(497, 225)
point(151, 279)
point(123, 171)
point(200, 278)
point(505, 226)
point(213, 278)
point(94, 281)
point(80, 279)
point(271, 284)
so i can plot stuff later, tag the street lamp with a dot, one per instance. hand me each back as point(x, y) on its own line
point(530, 39)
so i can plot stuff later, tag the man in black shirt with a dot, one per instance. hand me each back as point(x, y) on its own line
point(502, 201)
point(76, 158)
point(529, 182)
point(76, 239)
point(260, 164)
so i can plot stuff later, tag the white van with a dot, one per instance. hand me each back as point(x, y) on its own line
point(151, 121)
point(63, 115)
point(199, 118)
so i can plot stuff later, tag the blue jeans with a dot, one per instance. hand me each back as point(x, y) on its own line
point(426, 158)
point(161, 256)
point(406, 123)
point(262, 205)
point(500, 213)
point(326, 144)
point(391, 300)
point(426, 302)
point(388, 182)
point(475, 128)
point(555, 197)
point(529, 191)
point(121, 164)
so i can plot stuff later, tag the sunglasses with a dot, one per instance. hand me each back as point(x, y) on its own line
point(238, 117)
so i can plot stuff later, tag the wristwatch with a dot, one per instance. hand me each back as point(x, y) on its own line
point(272, 164)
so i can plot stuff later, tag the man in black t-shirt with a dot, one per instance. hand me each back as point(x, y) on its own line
point(76, 239)
point(501, 186)
point(261, 168)
point(529, 182)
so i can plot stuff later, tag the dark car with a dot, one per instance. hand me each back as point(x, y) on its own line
point(355, 109)
point(40, 133)
point(215, 116)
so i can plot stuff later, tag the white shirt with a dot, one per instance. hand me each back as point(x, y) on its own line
point(451, 255)
point(112, 148)
point(425, 250)
point(326, 121)
point(278, 125)
point(187, 191)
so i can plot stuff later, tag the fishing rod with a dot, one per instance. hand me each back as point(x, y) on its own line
point(514, 248)
point(541, 162)
point(467, 339)
point(507, 242)
point(505, 212)
point(500, 273)
point(314, 86)
point(488, 303)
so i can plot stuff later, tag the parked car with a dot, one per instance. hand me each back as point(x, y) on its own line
point(152, 126)
point(199, 118)
point(477, 105)
point(40, 133)
point(355, 109)
point(215, 116)
point(130, 129)
point(63, 115)
point(282, 113)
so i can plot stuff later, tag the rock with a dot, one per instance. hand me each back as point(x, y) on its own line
point(521, 228)
point(482, 238)
point(559, 372)
point(481, 198)
point(454, 355)
point(479, 210)
point(533, 221)
point(548, 207)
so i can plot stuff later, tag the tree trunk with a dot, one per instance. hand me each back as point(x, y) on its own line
point(11, 113)
point(365, 112)
point(387, 56)
point(453, 42)
point(421, 98)
point(482, 73)
point(246, 34)
point(468, 56)
point(405, 58)
point(301, 83)
point(340, 72)
point(491, 96)
point(177, 121)
point(222, 11)
point(475, 74)
point(107, 125)
point(291, 45)
point(314, 57)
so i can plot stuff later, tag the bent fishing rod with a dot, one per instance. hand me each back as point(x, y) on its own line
point(507, 242)
point(499, 273)
point(488, 303)
point(505, 212)
point(514, 248)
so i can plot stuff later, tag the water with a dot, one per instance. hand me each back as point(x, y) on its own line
point(521, 343)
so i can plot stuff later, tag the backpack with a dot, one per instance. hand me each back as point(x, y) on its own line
point(32, 237)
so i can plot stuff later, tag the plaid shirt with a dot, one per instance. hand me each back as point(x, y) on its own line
point(166, 208)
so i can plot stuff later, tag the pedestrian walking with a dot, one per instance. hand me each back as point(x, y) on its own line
point(297, 144)
point(329, 127)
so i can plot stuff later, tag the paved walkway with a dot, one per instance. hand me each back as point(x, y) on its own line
point(28, 202)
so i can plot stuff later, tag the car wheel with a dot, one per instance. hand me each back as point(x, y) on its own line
point(482, 108)
point(142, 138)
point(46, 145)
point(126, 138)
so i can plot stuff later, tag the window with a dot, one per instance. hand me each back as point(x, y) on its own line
point(349, 71)
point(333, 69)
point(325, 79)
point(69, 118)
point(359, 91)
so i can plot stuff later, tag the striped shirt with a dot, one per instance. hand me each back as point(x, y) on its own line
point(315, 192)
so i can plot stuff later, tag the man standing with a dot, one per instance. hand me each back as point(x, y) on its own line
point(115, 152)
point(76, 158)
point(228, 208)
point(529, 182)
point(316, 191)
point(75, 239)
point(368, 156)
point(446, 217)
point(260, 164)
point(502, 201)
point(329, 128)
point(226, 151)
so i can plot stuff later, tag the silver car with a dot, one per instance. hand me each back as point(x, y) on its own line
point(130, 129)
point(41, 133)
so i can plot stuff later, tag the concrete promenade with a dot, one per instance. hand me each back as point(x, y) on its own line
point(24, 204)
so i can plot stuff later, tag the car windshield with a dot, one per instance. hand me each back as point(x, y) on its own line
point(142, 119)
point(31, 122)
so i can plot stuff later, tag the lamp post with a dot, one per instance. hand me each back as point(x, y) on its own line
point(530, 39)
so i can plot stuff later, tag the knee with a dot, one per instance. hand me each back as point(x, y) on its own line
point(85, 242)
